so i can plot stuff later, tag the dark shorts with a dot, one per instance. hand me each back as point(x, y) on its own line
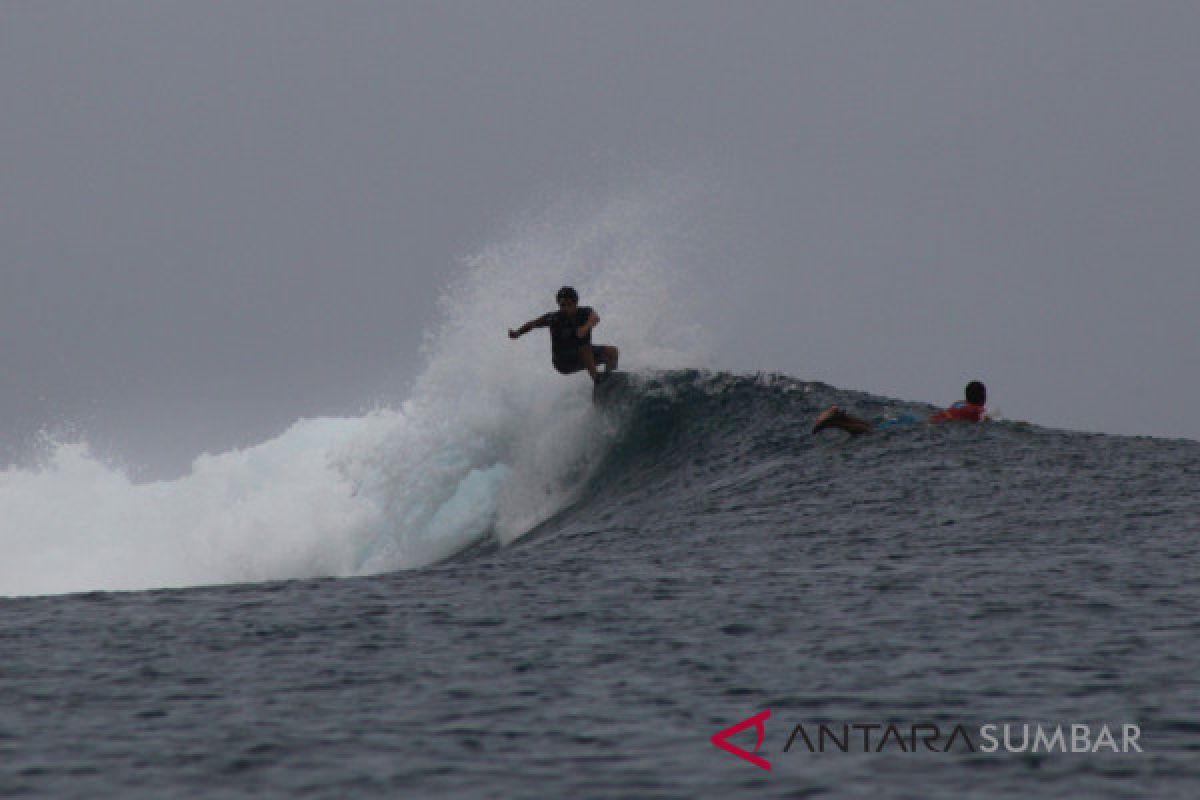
point(569, 362)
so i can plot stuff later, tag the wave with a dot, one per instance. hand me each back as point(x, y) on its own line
point(683, 451)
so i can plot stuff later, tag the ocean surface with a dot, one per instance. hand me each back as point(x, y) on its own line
point(692, 558)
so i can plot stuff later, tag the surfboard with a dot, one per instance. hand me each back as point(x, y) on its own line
point(610, 389)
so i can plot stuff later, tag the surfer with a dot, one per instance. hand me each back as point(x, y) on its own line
point(571, 337)
point(969, 409)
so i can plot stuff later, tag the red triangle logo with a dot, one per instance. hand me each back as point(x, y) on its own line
point(758, 720)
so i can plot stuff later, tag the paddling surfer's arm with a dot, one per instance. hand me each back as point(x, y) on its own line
point(540, 322)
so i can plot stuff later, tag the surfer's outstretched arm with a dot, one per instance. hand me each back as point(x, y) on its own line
point(540, 322)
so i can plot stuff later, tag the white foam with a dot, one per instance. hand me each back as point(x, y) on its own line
point(491, 441)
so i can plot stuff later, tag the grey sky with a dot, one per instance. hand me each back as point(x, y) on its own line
point(218, 217)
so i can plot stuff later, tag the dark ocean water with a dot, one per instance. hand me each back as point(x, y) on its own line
point(722, 562)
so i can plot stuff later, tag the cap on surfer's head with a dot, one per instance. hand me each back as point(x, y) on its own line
point(976, 393)
point(567, 293)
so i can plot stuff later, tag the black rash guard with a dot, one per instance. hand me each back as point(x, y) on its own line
point(563, 341)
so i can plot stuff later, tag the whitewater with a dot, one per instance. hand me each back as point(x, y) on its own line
point(491, 589)
point(480, 449)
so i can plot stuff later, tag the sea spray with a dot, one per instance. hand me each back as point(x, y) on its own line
point(490, 442)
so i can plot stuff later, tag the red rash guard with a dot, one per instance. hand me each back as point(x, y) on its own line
point(959, 412)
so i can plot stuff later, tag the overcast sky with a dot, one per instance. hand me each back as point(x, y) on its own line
point(219, 217)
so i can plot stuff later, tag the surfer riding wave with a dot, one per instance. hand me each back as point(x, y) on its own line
point(571, 337)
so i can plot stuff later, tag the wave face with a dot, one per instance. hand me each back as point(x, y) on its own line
point(703, 454)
